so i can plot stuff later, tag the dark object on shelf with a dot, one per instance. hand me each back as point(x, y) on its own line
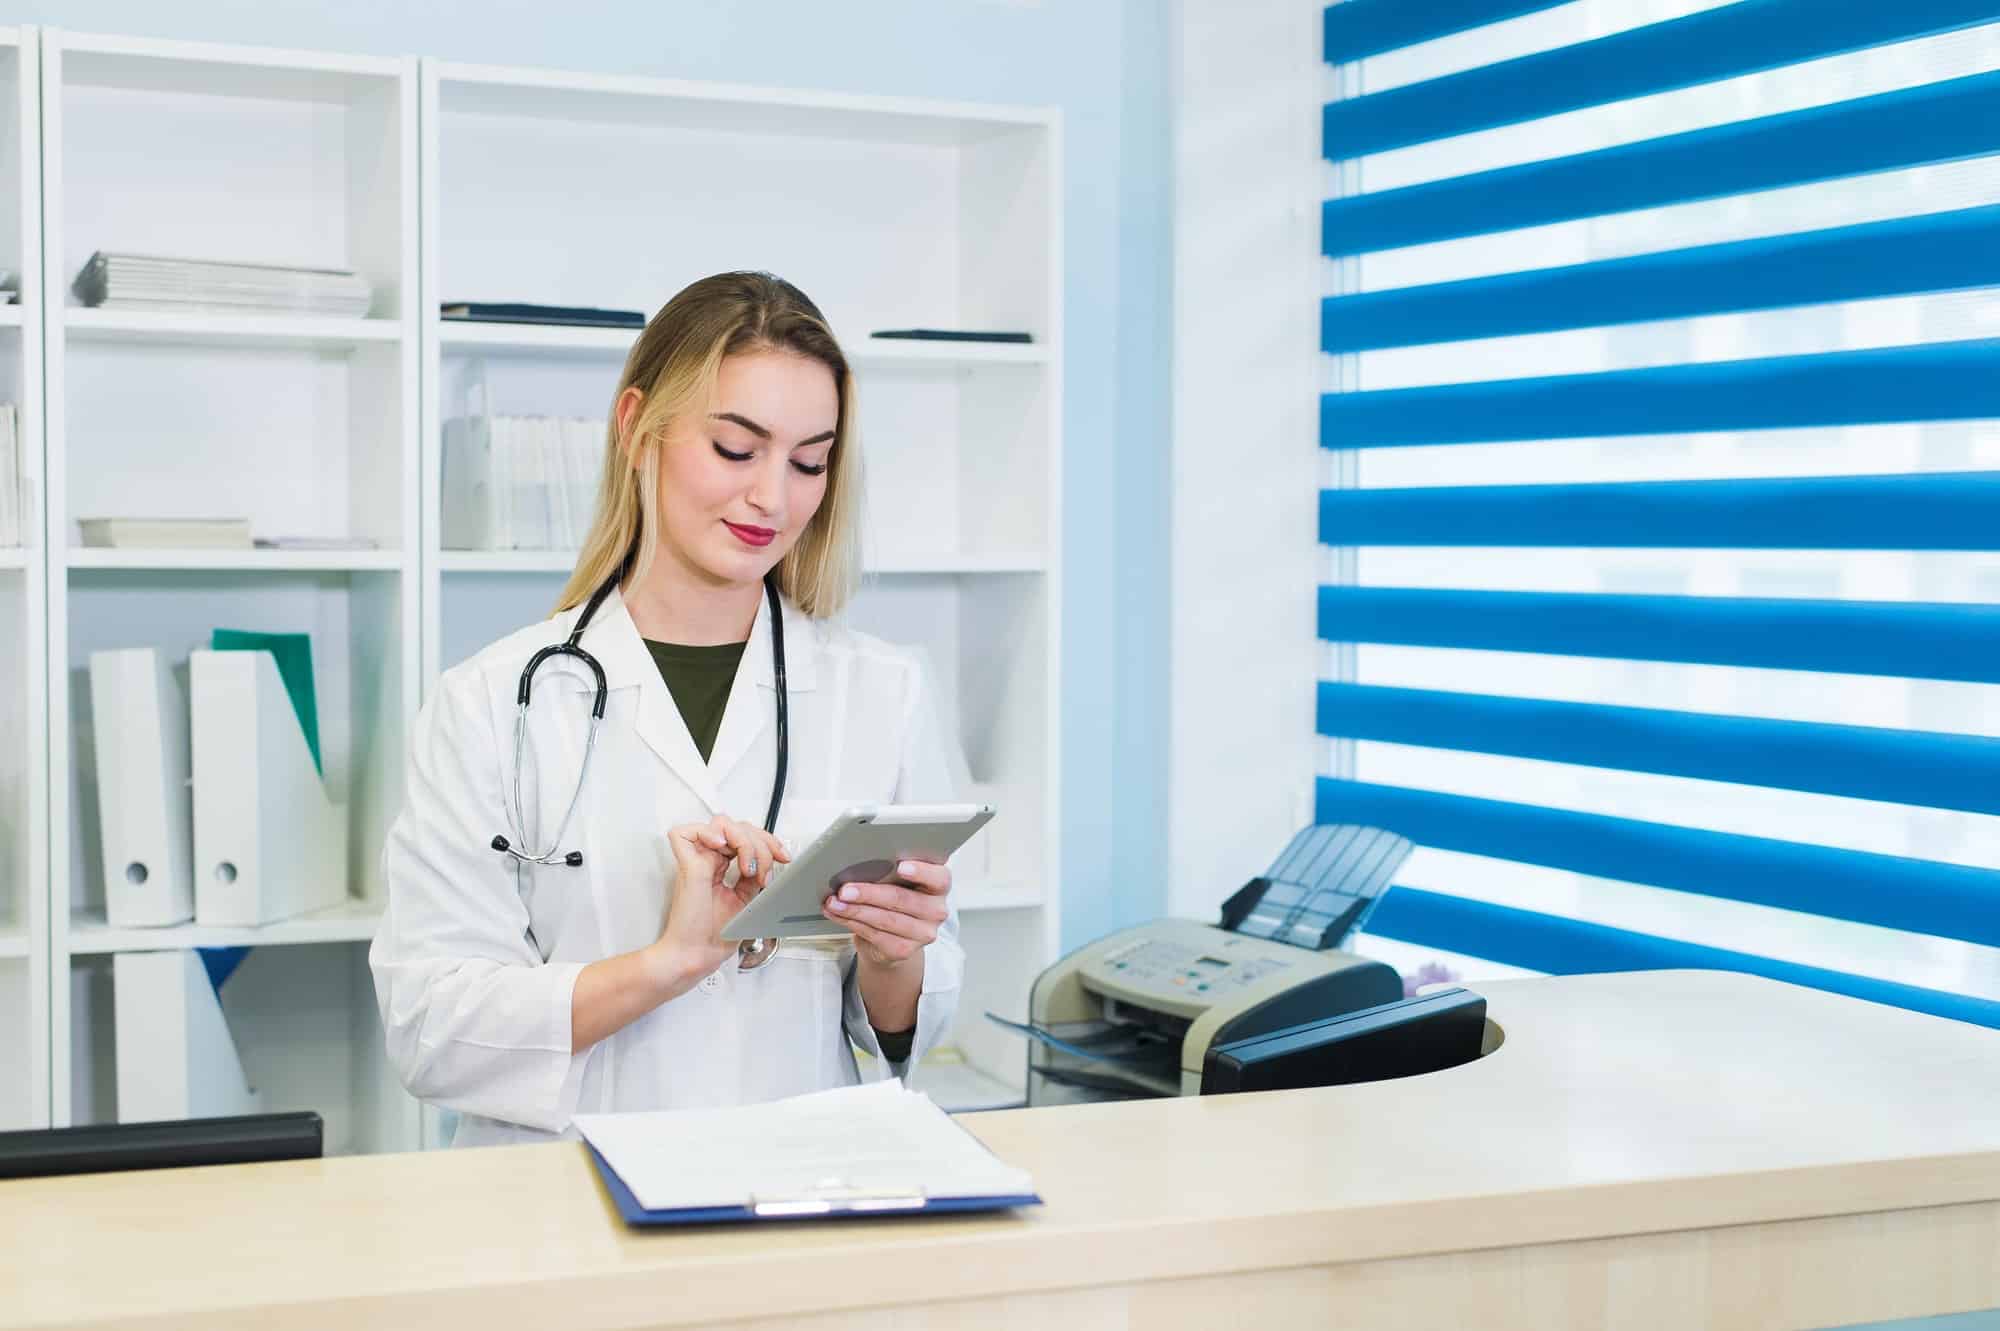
point(951, 335)
point(578, 315)
point(1406, 1038)
point(105, 1147)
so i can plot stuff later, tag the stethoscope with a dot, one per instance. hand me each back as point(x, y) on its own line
point(751, 952)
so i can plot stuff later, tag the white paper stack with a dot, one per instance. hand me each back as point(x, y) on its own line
point(166, 533)
point(10, 474)
point(142, 281)
point(520, 482)
point(877, 1138)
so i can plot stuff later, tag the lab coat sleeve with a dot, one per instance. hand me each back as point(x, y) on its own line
point(475, 1019)
point(923, 777)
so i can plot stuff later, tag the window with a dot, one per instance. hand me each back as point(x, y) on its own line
point(1661, 497)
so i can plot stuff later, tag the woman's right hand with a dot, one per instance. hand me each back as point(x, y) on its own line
point(703, 900)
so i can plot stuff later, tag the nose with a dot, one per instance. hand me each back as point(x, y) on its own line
point(767, 486)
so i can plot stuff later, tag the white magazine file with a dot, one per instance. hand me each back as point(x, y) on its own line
point(268, 842)
point(175, 1056)
point(139, 725)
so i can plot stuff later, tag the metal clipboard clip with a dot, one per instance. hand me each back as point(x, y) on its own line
point(837, 1196)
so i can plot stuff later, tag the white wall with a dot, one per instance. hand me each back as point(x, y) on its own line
point(1247, 84)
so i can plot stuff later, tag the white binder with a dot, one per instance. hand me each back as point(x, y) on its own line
point(139, 725)
point(175, 1057)
point(268, 842)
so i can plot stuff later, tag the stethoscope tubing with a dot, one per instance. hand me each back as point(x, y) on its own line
point(751, 953)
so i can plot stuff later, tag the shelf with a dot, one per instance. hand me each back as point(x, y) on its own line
point(223, 329)
point(1008, 894)
point(562, 561)
point(608, 343)
point(10, 316)
point(13, 942)
point(906, 351)
point(13, 556)
point(352, 922)
point(917, 565)
point(534, 339)
point(958, 1087)
point(506, 561)
point(677, 104)
point(238, 561)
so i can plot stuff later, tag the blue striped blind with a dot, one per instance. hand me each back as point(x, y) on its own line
point(1660, 507)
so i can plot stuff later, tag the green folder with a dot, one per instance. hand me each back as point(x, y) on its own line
point(294, 655)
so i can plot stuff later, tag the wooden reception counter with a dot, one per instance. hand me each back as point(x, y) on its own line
point(1675, 1149)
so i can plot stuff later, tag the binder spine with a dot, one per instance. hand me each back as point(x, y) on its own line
point(269, 844)
point(140, 743)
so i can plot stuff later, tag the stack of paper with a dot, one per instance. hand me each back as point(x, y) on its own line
point(520, 482)
point(166, 533)
point(141, 281)
point(11, 506)
point(874, 1147)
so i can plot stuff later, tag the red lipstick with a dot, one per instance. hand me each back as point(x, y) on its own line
point(751, 536)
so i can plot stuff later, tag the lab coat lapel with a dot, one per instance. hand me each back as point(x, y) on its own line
point(750, 718)
point(615, 641)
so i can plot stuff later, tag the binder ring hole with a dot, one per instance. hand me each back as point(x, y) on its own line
point(135, 873)
point(225, 872)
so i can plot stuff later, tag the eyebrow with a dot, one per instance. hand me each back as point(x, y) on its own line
point(763, 433)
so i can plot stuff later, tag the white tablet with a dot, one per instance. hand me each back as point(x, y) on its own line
point(863, 845)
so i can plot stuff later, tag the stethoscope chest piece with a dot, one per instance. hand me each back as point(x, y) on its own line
point(754, 952)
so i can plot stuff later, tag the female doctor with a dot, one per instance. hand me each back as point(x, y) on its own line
point(537, 961)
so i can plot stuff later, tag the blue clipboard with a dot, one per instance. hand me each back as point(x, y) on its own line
point(844, 1206)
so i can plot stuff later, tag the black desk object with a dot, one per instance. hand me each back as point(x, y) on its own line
point(106, 1147)
point(1402, 1039)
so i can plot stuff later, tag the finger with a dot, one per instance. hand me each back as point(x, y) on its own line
point(893, 946)
point(698, 839)
point(883, 921)
point(925, 876)
point(746, 843)
point(890, 897)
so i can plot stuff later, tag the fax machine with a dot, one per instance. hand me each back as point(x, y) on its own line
point(1135, 1014)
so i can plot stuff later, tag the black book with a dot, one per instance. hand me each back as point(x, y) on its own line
point(951, 335)
point(582, 316)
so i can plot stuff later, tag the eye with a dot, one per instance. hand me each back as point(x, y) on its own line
point(807, 470)
point(733, 457)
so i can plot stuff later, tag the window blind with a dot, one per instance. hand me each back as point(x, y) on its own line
point(1660, 507)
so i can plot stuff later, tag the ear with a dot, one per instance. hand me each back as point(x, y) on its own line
point(626, 410)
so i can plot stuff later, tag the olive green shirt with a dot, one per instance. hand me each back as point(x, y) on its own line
point(700, 679)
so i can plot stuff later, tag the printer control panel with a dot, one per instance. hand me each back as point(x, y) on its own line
point(1199, 975)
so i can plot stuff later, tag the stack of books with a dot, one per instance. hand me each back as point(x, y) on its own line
point(148, 282)
point(520, 482)
point(147, 533)
point(11, 506)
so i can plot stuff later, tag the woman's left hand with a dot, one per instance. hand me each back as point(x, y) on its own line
point(891, 922)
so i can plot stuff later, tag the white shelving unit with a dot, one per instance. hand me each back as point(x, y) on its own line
point(238, 561)
point(24, 776)
point(940, 215)
point(307, 427)
point(923, 214)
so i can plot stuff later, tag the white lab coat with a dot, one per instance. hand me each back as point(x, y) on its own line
point(478, 953)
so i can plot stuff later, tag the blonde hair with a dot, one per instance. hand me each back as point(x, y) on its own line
point(675, 365)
